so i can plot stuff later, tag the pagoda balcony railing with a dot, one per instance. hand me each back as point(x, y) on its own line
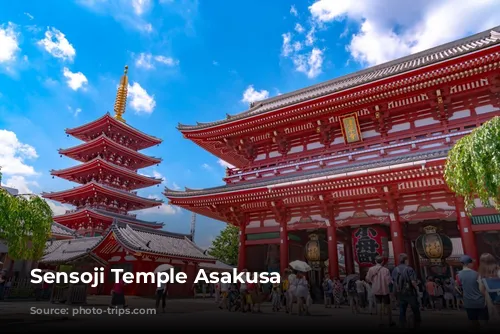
point(416, 142)
point(100, 207)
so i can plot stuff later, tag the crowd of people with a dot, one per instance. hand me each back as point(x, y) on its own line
point(380, 292)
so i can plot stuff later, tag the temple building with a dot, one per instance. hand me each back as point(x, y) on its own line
point(356, 161)
point(106, 233)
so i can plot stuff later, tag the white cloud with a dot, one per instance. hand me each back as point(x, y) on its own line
point(293, 11)
point(175, 186)
point(9, 44)
point(58, 208)
point(224, 164)
point(147, 61)
point(13, 155)
point(164, 209)
point(31, 17)
point(20, 183)
point(140, 100)
point(206, 166)
point(75, 80)
point(75, 112)
point(299, 28)
point(57, 45)
point(251, 95)
point(308, 62)
point(141, 6)
point(215, 63)
point(408, 27)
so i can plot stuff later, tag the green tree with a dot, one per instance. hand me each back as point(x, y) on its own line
point(473, 166)
point(225, 246)
point(25, 224)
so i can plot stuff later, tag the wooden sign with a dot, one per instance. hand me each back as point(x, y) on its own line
point(350, 128)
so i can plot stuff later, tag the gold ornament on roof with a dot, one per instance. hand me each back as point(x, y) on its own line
point(121, 97)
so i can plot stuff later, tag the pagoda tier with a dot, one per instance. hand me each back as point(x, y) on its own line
point(105, 172)
point(108, 149)
point(97, 220)
point(117, 130)
point(104, 197)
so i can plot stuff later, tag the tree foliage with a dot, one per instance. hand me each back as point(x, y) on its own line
point(225, 246)
point(25, 225)
point(473, 166)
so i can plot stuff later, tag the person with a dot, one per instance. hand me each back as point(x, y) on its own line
point(161, 294)
point(430, 287)
point(474, 301)
point(405, 281)
point(352, 295)
point(3, 280)
point(118, 294)
point(328, 291)
point(438, 295)
point(420, 291)
point(489, 284)
point(217, 293)
point(245, 296)
point(449, 294)
point(224, 291)
point(370, 298)
point(338, 292)
point(276, 297)
point(284, 287)
point(380, 278)
point(302, 293)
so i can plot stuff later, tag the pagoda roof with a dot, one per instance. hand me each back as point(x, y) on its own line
point(132, 238)
point(461, 47)
point(103, 139)
point(106, 215)
point(81, 132)
point(333, 172)
point(61, 230)
point(99, 162)
point(93, 187)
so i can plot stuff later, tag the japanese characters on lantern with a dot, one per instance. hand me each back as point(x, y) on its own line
point(370, 242)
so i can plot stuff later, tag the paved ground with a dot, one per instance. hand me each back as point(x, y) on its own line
point(19, 317)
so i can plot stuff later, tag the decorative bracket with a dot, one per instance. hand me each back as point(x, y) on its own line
point(440, 103)
point(281, 213)
point(381, 120)
point(326, 132)
point(282, 142)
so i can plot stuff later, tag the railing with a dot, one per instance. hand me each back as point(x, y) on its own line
point(72, 294)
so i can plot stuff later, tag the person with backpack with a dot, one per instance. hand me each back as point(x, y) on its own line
point(328, 291)
point(380, 278)
point(352, 295)
point(489, 284)
point(405, 285)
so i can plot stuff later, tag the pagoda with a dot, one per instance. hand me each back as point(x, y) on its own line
point(107, 177)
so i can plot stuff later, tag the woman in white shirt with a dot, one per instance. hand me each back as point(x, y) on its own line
point(302, 292)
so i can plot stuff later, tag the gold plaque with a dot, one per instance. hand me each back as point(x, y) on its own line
point(350, 128)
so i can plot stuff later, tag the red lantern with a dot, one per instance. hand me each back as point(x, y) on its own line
point(368, 243)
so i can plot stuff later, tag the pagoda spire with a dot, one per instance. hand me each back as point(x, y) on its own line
point(121, 96)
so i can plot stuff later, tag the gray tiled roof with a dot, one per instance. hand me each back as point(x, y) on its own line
point(60, 229)
point(323, 172)
point(158, 242)
point(60, 251)
point(425, 58)
point(127, 218)
point(216, 266)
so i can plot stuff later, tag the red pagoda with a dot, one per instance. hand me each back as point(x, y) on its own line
point(356, 161)
point(108, 177)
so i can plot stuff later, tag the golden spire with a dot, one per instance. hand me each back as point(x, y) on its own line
point(121, 97)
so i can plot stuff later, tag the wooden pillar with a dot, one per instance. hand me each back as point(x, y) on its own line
point(465, 228)
point(283, 245)
point(333, 255)
point(398, 245)
point(348, 254)
point(409, 251)
point(242, 250)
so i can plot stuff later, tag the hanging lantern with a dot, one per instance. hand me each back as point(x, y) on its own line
point(316, 252)
point(433, 245)
point(368, 243)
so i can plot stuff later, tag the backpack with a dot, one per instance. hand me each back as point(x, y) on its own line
point(351, 286)
point(403, 283)
point(492, 287)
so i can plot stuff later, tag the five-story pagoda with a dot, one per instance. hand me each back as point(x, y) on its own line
point(108, 177)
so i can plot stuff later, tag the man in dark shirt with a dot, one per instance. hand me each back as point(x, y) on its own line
point(474, 301)
point(405, 283)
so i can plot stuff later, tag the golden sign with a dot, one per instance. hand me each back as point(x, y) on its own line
point(350, 128)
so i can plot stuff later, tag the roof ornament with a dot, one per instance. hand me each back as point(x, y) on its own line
point(495, 34)
point(121, 96)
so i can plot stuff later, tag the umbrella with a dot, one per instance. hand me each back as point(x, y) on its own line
point(300, 266)
point(163, 267)
point(351, 277)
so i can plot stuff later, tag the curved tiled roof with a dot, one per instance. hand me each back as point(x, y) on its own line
point(324, 172)
point(158, 242)
point(405, 64)
point(59, 229)
point(61, 251)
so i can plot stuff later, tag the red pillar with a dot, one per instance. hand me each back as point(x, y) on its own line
point(465, 227)
point(283, 246)
point(333, 255)
point(398, 245)
point(242, 249)
point(348, 254)
point(409, 251)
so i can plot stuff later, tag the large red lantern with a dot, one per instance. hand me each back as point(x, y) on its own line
point(368, 243)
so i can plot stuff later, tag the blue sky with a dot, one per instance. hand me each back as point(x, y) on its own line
point(60, 62)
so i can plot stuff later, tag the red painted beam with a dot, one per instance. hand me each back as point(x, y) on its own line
point(262, 242)
point(485, 227)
